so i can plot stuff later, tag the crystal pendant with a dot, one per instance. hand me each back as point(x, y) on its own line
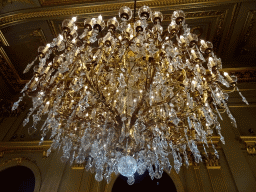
point(127, 166)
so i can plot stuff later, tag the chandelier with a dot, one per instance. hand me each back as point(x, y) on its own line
point(131, 99)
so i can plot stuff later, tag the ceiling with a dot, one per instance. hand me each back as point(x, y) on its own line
point(27, 24)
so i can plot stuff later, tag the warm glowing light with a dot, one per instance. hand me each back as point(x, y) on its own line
point(74, 19)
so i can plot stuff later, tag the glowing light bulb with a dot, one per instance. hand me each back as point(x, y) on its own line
point(225, 74)
point(100, 17)
point(86, 114)
point(75, 27)
point(48, 102)
point(60, 37)
point(140, 91)
point(120, 37)
point(74, 40)
point(48, 45)
point(117, 90)
point(114, 18)
point(36, 79)
point(72, 101)
point(74, 19)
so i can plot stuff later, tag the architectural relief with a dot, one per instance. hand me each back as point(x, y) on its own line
point(250, 144)
point(211, 161)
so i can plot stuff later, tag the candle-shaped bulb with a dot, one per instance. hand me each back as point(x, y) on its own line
point(60, 37)
point(100, 17)
point(74, 19)
point(225, 74)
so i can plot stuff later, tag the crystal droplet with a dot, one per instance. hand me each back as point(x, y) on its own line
point(130, 180)
point(32, 130)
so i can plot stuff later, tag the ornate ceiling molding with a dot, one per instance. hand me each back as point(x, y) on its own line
point(22, 15)
point(65, 2)
point(3, 41)
point(31, 146)
point(250, 144)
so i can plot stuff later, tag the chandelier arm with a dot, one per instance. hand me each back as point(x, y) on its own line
point(135, 113)
point(228, 90)
point(159, 103)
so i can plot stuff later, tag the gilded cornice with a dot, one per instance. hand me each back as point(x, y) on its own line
point(61, 2)
point(31, 146)
point(250, 144)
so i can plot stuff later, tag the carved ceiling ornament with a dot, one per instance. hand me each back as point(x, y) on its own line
point(211, 161)
point(250, 144)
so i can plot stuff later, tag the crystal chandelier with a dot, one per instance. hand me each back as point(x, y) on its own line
point(128, 101)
